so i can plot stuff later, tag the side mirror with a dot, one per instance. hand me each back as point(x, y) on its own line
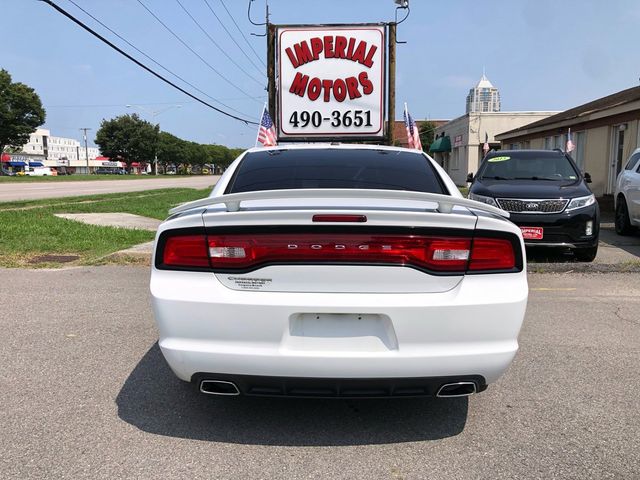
point(470, 178)
point(587, 177)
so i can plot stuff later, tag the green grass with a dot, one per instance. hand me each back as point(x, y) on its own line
point(75, 178)
point(29, 229)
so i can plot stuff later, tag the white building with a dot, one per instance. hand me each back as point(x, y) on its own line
point(60, 151)
point(484, 97)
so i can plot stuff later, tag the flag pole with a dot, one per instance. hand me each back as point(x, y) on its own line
point(406, 123)
point(261, 117)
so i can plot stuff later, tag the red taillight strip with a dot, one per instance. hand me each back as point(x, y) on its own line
point(431, 253)
point(244, 252)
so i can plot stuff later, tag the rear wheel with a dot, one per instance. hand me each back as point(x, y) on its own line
point(622, 222)
point(586, 254)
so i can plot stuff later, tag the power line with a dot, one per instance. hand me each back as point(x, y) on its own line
point(154, 61)
point(242, 33)
point(122, 104)
point(231, 36)
point(140, 64)
point(218, 46)
point(193, 51)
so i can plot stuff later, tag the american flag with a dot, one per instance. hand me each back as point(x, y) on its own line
point(486, 147)
point(267, 131)
point(570, 145)
point(413, 136)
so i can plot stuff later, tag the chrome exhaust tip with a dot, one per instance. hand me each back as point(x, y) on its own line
point(458, 389)
point(218, 387)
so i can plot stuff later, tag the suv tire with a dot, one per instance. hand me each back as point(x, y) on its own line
point(622, 222)
point(586, 254)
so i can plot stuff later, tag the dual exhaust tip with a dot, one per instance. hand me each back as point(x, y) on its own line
point(219, 387)
point(448, 390)
point(457, 389)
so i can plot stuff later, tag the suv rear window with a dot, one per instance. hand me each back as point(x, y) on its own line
point(528, 165)
point(335, 168)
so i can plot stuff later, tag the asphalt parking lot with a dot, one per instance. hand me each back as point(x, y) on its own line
point(85, 393)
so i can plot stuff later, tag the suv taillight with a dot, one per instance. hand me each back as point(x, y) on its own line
point(249, 251)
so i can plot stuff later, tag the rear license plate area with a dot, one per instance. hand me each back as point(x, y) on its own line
point(341, 332)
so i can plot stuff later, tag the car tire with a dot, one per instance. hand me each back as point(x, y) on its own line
point(586, 254)
point(622, 222)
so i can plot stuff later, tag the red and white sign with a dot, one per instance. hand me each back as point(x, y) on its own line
point(331, 81)
point(532, 233)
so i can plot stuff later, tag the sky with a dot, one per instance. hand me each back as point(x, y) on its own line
point(540, 54)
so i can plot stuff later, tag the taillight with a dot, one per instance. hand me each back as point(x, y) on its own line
point(432, 253)
point(249, 251)
point(492, 254)
point(186, 251)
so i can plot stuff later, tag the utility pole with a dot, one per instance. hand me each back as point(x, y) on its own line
point(86, 148)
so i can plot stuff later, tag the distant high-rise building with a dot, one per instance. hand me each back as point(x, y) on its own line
point(484, 97)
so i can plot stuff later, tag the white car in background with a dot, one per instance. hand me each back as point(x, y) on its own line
point(627, 196)
point(338, 271)
point(38, 171)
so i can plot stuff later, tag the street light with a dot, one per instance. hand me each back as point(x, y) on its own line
point(154, 114)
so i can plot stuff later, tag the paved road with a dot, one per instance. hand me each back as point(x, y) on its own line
point(85, 393)
point(35, 190)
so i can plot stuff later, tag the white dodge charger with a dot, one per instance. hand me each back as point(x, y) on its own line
point(338, 271)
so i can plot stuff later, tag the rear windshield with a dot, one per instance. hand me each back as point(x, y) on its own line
point(528, 166)
point(335, 168)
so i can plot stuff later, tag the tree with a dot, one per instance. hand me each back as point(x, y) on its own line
point(21, 112)
point(196, 154)
point(427, 132)
point(170, 149)
point(128, 138)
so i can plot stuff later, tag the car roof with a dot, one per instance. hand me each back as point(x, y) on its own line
point(337, 146)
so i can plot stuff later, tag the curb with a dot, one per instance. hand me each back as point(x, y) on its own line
point(137, 254)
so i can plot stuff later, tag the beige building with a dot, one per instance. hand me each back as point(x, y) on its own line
point(604, 132)
point(458, 146)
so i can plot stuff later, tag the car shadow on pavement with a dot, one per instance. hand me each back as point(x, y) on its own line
point(155, 401)
point(550, 255)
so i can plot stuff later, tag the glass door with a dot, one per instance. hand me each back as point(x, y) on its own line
point(617, 153)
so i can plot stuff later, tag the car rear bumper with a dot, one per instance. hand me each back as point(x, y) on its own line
point(471, 329)
point(263, 386)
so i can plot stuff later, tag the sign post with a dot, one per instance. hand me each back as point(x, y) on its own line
point(329, 82)
point(392, 83)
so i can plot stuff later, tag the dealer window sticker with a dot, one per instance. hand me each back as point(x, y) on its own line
point(498, 159)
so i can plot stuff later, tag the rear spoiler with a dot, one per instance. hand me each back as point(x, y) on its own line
point(445, 202)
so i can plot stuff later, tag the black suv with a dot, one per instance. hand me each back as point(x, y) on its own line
point(546, 195)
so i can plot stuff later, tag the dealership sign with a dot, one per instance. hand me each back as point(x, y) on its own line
point(331, 82)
